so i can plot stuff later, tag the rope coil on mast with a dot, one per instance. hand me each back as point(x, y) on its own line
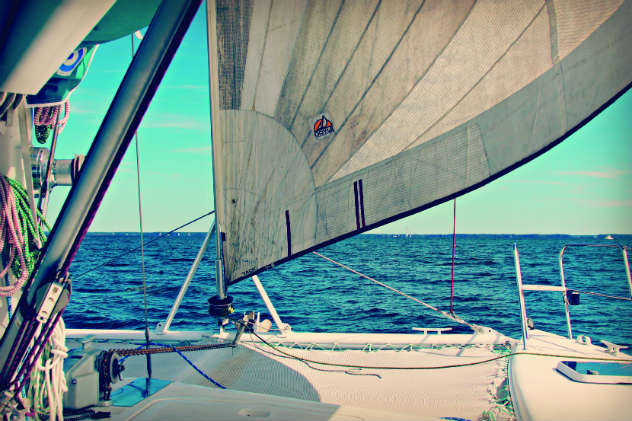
point(18, 233)
point(42, 369)
point(44, 119)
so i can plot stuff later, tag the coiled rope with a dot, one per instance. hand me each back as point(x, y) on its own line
point(18, 233)
point(47, 118)
point(49, 377)
point(22, 238)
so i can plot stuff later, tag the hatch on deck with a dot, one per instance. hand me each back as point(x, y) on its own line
point(596, 371)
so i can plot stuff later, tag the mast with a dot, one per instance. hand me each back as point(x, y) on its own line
point(214, 98)
point(149, 65)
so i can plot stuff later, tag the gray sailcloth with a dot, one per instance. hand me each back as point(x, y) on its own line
point(333, 117)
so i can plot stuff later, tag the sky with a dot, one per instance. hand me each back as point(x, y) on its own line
point(582, 186)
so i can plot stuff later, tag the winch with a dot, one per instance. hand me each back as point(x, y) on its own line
point(64, 172)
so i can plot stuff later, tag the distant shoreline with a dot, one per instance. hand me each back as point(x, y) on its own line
point(598, 236)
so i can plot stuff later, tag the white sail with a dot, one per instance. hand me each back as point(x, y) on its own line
point(333, 117)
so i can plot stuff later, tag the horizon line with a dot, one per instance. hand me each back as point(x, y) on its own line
point(386, 233)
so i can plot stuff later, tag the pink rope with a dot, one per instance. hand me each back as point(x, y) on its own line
point(453, 248)
point(10, 229)
point(62, 121)
point(47, 116)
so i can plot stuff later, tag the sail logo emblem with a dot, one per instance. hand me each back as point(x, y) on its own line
point(323, 127)
point(72, 62)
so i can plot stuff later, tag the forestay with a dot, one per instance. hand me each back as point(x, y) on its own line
point(333, 117)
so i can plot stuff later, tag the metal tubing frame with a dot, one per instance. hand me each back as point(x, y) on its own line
point(187, 281)
point(568, 315)
point(563, 282)
point(523, 310)
point(627, 268)
point(625, 262)
point(264, 295)
point(141, 80)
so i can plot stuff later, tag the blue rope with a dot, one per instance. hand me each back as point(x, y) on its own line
point(190, 363)
point(8, 283)
point(185, 359)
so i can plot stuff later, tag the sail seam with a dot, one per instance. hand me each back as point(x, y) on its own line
point(465, 95)
point(322, 51)
point(355, 49)
point(368, 88)
point(555, 55)
point(263, 51)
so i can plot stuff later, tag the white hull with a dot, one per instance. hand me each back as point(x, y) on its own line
point(300, 390)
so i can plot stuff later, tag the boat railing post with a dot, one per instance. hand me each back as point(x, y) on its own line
point(523, 310)
point(187, 281)
point(627, 267)
point(264, 295)
point(568, 316)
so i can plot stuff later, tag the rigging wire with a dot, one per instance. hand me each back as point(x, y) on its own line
point(615, 297)
point(142, 249)
point(453, 248)
point(159, 237)
point(451, 316)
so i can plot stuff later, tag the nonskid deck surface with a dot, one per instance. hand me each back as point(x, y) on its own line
point(179, 401)
point(464, 392)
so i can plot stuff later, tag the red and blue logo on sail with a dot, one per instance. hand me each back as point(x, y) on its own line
point(323, 127)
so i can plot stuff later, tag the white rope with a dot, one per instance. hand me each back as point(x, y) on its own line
point(451, 316)
point(54, 378)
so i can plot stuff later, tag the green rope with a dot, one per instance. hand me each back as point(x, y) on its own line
point(36, 391)
point(29, 232)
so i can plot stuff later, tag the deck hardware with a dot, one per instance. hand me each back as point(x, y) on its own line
point(49, 302)
point(584, 340)
point(572, 297)
point(264, 296)
point(613, 348)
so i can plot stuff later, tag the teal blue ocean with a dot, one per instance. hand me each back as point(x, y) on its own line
point(312, 294)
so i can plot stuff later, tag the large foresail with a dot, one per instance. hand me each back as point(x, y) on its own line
point(332, 117)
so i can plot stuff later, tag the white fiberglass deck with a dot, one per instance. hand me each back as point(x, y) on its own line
point(540, 392)
point(464, 392)
point(192, 402)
